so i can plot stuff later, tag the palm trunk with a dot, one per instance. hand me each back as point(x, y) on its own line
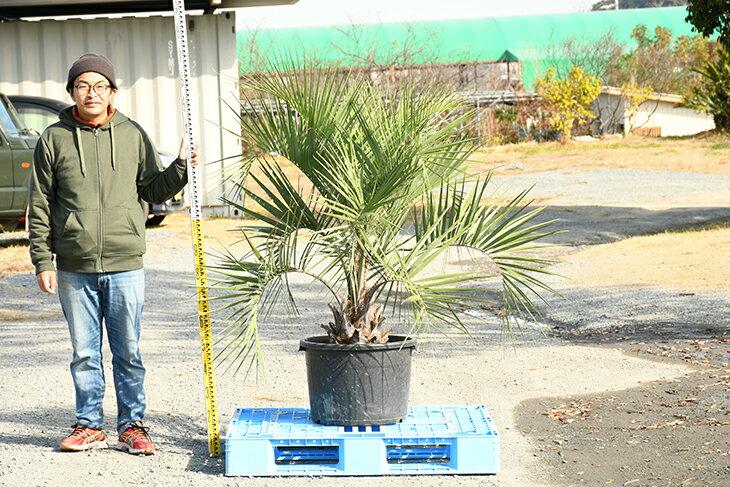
point(358, 288)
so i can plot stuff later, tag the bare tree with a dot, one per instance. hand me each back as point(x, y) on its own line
point(662, 61)
point(599, 56)
point(359, 44)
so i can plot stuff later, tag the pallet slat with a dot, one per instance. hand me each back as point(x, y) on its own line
point(436, 440)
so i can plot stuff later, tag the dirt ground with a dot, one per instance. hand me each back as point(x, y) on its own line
point(704, 154)
point(660, 432)
point(626, 381)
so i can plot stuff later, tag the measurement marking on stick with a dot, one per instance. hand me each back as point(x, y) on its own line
point(197, 233)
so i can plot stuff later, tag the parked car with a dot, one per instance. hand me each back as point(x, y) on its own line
point(17, 143)
point(37, 113)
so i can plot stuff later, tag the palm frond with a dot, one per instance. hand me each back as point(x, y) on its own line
point(373, 158)
point(501, 230)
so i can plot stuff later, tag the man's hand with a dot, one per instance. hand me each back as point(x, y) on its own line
point(47, 281)
point(183, 153)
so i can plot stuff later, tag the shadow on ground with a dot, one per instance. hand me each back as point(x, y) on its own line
point(588, 225)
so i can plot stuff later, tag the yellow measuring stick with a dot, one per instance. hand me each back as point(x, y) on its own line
point(197, 233)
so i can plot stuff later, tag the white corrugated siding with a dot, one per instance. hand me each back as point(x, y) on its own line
point(35, 58)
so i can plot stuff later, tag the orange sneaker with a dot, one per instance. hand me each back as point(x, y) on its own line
point(135, 440)
point(84, 438)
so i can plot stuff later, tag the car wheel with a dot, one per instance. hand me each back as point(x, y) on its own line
point(8, 226)
point(155, 220)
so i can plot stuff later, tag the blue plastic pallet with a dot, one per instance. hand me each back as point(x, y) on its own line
point(432, 440)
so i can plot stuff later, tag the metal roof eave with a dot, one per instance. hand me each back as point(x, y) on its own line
point(653, 96)
point(16, 9)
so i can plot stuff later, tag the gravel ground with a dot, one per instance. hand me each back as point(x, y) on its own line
point(668, 432)
point(595, 344)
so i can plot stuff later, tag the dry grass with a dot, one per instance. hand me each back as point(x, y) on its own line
point(705, 154)
point(9, 314)
point(688, 261)
point(14, 259)
point(218, 232)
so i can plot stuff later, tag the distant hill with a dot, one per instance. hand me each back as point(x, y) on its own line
point(626, 4)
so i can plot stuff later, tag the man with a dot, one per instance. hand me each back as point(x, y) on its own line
point(90, 171)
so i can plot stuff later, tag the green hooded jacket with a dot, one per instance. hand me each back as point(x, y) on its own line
point(85, 190)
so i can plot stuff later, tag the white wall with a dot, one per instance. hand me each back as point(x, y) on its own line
point(673, 120)
point(36, 57)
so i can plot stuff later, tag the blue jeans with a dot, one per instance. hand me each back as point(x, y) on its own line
point(117, 299)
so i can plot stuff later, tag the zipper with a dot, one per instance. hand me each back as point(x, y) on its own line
point(100, 220)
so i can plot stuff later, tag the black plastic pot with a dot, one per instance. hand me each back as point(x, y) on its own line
point(358, 385)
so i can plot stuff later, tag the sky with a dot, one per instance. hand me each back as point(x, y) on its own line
point(334, 12)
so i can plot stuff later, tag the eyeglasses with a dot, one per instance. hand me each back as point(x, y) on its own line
point(99, 88)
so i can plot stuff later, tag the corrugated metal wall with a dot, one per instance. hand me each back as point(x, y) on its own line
point(35, 58)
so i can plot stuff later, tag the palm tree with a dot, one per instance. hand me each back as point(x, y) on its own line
point(712, 95)
point(387, 196)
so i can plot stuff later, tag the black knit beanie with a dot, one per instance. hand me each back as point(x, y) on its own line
point(91, 62)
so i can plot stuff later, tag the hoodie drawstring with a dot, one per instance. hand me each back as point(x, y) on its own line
point(81, 151)
point(111, 138)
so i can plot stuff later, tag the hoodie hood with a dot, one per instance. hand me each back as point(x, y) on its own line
point(67, 118)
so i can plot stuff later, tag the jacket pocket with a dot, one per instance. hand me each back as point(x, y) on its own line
point(123, 230)
point(75, 234)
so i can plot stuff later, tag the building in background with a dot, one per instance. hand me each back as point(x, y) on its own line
point(470, 42)
point(491, 62)
point(659, 116)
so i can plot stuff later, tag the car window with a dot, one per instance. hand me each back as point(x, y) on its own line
point(34, 117)
point(7, 119)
